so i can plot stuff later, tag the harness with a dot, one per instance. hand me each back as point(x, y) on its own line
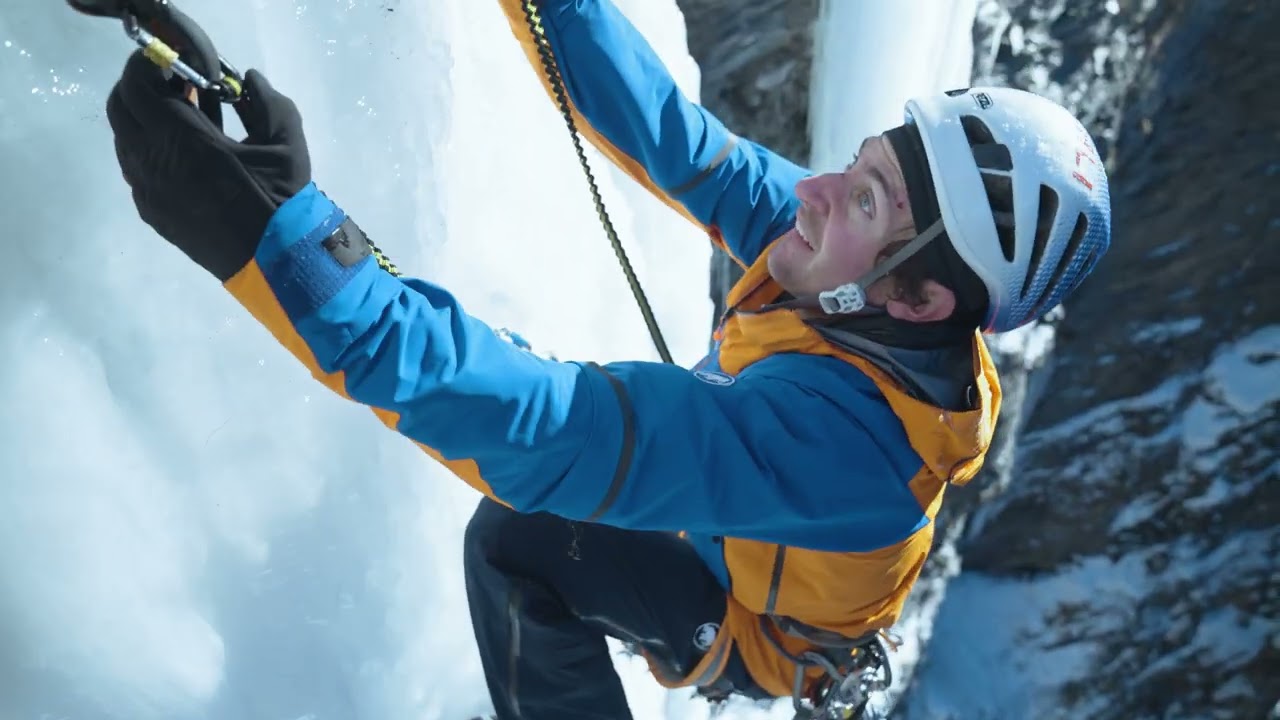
point(853, 669)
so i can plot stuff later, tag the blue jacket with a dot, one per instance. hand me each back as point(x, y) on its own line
point(791, 444)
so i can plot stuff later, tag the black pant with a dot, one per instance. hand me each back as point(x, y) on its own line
point(544, 592)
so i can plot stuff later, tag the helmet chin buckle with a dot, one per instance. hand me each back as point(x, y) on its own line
point(848, 298)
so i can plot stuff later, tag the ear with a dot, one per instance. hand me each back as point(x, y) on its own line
point(939, 303)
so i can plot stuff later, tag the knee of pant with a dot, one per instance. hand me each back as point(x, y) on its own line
point(483, 528)
point(496, 535)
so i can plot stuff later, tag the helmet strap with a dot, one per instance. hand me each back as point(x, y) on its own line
point(852, 297)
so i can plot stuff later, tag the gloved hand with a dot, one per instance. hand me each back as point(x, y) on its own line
point(208, 195)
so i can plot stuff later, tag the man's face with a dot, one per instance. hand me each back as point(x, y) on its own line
point(844, 222)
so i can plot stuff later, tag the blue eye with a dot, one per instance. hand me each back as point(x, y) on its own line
point(864, 202)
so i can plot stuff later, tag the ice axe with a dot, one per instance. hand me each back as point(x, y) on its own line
point(173, 41)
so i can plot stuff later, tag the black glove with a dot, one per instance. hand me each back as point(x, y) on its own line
point(208, 195)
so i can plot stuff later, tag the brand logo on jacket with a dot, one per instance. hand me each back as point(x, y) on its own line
point(705, 636)
point(347, 244)
point(713, 377)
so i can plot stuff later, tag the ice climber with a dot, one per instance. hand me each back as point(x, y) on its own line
point(738, 522)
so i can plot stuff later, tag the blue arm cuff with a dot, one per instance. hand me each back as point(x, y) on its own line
point(304, 270)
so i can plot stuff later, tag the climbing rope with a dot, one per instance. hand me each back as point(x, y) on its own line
point(562, 99)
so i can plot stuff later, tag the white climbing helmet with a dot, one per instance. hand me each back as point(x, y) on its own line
point(1035, 244)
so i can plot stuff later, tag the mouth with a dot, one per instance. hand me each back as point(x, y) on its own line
point(800, 232)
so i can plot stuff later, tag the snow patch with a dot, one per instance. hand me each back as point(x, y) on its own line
point(1167, 331)
point(1053, 629)
point(1109, 417)
point(1242, 380)
point(1138, 511)
point(1246, 374)
point(1030, 344)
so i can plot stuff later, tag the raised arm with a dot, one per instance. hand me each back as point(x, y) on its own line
point(641, 445)
point(625, 102)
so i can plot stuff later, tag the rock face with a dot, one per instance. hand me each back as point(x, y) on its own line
point(755, 59)
point(1151, 448)
point(1115, 559)
point(1133, 524)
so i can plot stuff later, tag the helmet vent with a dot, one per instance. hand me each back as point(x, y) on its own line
point(1000, 194)
point(976, 131)
point(987, 153)
point(1078, 234)
point(1045, 216)
point(1088, 263)
point(1055, 291)
point(993, 157)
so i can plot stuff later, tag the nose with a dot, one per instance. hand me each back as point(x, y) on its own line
point(815, 191)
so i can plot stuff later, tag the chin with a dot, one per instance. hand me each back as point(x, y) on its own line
point(782, 272)
point(777, 265)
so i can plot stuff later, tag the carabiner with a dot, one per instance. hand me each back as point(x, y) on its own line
point(173, 41)
point(228, 89)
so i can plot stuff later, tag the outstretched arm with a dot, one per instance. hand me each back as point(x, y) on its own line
point(641, 445)
point(625, 102)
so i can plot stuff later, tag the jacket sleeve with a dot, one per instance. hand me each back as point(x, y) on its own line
point(624, 102)
point(639, 445)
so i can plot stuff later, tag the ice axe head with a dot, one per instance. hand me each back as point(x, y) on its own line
point(142, 9)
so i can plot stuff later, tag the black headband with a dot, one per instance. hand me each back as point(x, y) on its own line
point(909, 147)
point(942, 262)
